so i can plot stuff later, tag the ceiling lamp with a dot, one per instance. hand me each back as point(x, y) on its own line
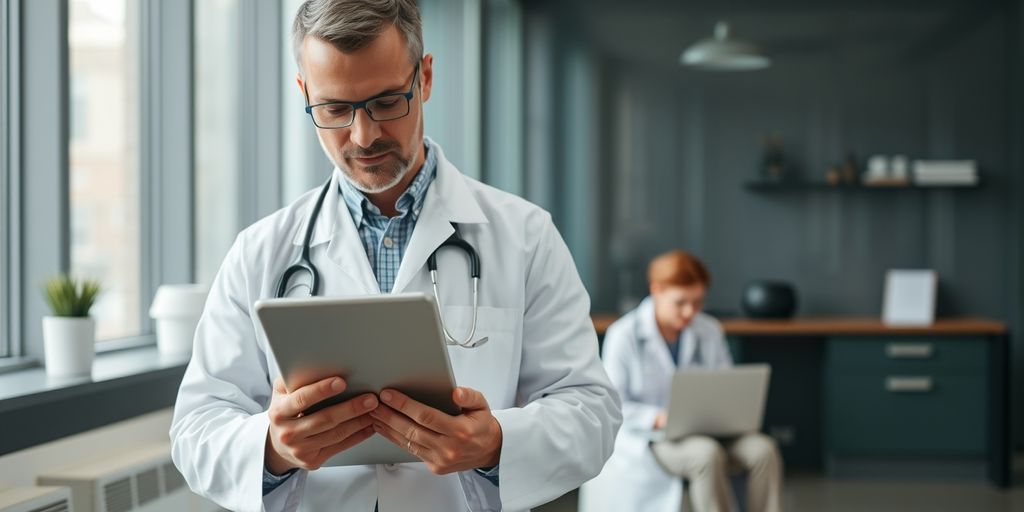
point(724, 54)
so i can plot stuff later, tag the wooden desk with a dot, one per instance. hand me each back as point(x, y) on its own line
point(857, 397)
point(837, 326)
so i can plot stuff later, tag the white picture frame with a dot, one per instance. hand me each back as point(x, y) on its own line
point(909, 297)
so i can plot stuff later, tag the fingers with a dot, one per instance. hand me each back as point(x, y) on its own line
point(306, 396)
point(426, 416)
point(329, 417)
point(310, 453)
point(409, 430)
point(279, 386)
point(469, 398)
point(335, 435)
point(417, 450)
point(334, 449)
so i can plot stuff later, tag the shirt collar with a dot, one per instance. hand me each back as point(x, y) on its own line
point(359, 206)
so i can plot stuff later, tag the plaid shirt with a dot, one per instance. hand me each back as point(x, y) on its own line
point(386, 238)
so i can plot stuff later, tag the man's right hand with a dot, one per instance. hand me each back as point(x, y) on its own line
point(660, 420)
point(302, 441)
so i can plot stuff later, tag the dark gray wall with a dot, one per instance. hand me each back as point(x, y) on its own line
point(927, 80)
point(687, 142)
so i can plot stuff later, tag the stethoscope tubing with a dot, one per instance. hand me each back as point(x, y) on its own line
point(305, 264)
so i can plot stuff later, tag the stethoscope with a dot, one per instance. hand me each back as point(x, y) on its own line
point(305, 264)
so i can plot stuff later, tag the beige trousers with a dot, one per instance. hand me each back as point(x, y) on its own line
point(706, 463)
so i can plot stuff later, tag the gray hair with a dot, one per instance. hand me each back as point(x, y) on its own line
point(352, 24)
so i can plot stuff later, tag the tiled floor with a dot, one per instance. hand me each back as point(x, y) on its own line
point(818, 494)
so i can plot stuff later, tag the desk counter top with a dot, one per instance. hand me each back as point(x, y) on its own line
point(839, 326)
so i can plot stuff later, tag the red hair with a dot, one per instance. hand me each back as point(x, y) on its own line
point(677, 268)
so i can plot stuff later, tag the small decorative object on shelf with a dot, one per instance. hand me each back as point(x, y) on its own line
point(832, 175)
point(69, 335)
point(899, 167)
point(848, 170)
point(774, 167)
point(885, 172)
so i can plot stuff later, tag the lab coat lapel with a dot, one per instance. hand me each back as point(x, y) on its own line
point(448, 200)
point(689, 341)
point(655, 349)
point(432, 229)
point(346, 249)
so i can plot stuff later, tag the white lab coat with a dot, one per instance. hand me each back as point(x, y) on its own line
point(641, 367)
point(540, 370)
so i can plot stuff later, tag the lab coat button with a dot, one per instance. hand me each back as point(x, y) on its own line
point(388, 242)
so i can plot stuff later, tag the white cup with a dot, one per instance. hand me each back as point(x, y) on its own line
point(176, 309)
point(878, 166)
point(900, 165)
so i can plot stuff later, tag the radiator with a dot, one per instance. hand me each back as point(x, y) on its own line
point(140, 480)
point(35, 499)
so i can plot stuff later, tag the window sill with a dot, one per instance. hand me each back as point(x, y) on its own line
point(18, 364)
point(15, 364)
point(35, 409)
point(116, 344)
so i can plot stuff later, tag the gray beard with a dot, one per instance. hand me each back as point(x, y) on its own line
point(395, 175)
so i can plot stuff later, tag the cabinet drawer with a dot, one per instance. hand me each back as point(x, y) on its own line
point(906, 415)
point(910, 354)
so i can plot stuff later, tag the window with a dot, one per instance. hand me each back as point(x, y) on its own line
point(103, 179)
point(216, 132)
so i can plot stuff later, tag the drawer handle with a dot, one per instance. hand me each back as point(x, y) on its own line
point(908, 384)
point(909, 350)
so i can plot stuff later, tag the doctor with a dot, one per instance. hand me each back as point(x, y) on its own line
point(666, 333)
point(540, 415)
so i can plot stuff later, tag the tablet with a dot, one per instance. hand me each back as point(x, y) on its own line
point(373, 342)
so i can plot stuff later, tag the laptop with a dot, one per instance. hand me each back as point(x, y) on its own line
point(717, 403)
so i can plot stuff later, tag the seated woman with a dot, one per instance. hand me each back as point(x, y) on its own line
point(665, 333)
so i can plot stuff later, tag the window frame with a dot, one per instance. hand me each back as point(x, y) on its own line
point(259, 145)
point(165, 160)
point(8, 91)
point(166, 150)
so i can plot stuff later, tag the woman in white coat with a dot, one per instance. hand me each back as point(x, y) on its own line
point(539, 413)
point(642, 350)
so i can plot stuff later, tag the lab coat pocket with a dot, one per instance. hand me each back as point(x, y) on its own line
point(493, 367)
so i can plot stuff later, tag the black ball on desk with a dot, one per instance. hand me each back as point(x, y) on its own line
point(769, 299)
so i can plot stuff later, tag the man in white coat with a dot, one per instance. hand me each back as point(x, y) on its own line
point(539, 413)
point(666, 333)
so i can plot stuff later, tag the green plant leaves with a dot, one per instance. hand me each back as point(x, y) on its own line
point(70, 297)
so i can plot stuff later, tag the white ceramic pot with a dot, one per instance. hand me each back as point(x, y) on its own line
point(69, 345)
point(176, 309)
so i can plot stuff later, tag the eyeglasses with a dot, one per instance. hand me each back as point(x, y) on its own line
point(383, 107)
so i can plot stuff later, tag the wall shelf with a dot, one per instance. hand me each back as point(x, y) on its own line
point(796, 186)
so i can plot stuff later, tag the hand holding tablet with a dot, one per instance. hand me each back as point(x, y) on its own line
point(373, 343)
point(297, 440)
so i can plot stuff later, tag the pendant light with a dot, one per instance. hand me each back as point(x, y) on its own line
point(723, 53)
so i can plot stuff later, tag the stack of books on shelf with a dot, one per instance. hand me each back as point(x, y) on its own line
point(932, 173)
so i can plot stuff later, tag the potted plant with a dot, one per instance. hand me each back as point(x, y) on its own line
point(69, 335)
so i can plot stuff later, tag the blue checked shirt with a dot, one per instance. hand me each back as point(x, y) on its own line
point(385, 240)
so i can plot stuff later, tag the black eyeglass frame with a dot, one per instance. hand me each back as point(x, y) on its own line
point(356, 105)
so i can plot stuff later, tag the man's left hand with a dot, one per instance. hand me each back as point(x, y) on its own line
point(446, 443)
